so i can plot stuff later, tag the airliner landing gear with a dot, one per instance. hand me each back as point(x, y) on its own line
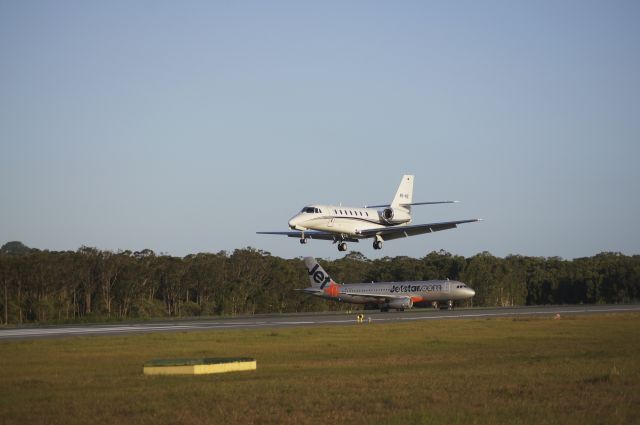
point(377, 244)
point(435, 305)
point(303, 241)
point(342, 246)
point(450, 304)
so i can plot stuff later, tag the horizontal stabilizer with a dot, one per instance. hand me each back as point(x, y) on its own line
point(413, 203)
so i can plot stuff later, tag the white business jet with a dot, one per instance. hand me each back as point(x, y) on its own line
point(350, 224)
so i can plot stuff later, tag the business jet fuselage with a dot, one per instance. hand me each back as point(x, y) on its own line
point(343, 224)
point(346, 220)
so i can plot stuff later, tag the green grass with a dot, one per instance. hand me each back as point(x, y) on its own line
point(577, 370)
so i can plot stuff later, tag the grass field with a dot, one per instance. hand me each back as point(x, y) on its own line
point(576, 370)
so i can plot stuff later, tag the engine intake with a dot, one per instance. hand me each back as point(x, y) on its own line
point(395, 215)
point(400, 303)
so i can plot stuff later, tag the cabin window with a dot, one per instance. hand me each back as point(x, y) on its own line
point(366, 213)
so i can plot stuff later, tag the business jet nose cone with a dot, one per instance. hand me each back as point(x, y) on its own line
point(294, 222)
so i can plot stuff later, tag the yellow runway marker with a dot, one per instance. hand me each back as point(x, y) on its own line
point(199, 366)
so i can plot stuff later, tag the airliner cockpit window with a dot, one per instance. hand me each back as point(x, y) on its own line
point(307, 209)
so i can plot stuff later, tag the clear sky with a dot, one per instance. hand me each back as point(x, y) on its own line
point(188, 126)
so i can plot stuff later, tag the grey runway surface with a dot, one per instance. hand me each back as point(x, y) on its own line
point(300, 319)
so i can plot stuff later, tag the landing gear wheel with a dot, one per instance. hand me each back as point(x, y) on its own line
point(450, 304)
point(303, 241)
point(377, 244)
point(342, 246)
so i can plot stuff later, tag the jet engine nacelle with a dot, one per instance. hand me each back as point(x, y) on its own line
point(395, 215)
point(400, 303)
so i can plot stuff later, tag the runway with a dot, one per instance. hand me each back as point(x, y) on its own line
point(300, 319)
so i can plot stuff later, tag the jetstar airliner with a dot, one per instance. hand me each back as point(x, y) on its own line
point(397, 295)
point(348, 224)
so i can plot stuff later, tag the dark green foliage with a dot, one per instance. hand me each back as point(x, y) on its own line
point(15, 248)
point(95, 285)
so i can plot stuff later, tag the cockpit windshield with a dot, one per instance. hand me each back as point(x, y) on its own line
point(311, 210)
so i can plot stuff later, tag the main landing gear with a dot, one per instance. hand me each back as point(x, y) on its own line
point(377, 244)
point(436, 305)
point(342, 246)
point(303, 241)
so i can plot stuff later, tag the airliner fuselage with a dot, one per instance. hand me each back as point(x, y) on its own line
point(386, 295)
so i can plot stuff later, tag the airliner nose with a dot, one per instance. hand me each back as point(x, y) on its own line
point(471, 292)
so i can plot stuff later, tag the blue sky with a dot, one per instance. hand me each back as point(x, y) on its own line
point(188, 126)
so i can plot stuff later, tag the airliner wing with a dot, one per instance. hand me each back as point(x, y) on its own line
point(310, 234)
point(377, 297)
point(396, 232)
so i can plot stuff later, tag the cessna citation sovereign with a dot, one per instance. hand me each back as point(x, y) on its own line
point(347, 224)
point(398, 295)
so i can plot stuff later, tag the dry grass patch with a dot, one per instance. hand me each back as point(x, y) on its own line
point(585, 371)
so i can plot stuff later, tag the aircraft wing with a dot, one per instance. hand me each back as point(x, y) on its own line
point(396, 232)
point(310, 234)
point(375, 297)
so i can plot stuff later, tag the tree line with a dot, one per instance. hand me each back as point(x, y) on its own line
point(95, 285)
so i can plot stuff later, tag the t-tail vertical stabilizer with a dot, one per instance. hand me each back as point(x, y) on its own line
point(404, 194)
